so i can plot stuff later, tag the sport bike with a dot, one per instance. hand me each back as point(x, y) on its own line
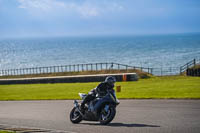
point(102, 109)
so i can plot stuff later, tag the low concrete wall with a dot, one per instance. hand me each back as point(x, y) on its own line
point(71, 79)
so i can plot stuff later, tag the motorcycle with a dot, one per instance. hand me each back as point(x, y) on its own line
point(102, 109)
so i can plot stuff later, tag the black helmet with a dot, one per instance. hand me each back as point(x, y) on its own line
point(110, 80)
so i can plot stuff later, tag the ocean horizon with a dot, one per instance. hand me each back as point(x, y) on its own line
point(156, 51)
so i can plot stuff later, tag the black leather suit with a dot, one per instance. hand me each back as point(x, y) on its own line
point(101, 90)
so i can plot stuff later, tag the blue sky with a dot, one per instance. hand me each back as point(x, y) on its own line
point(42, 18)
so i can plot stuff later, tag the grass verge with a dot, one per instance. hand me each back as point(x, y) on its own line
point(3, 131)
point(155, 87)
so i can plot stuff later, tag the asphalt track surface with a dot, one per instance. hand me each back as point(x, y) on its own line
point(133, 116)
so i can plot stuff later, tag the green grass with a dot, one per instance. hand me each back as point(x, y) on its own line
point(1, 131)
point(155, 87)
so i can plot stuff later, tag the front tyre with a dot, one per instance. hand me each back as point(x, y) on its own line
point(75, 116)
point(107, 116)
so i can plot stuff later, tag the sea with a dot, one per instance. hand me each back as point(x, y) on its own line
point(156, 51)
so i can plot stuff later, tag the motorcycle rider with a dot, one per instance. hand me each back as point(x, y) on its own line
point(101, 90)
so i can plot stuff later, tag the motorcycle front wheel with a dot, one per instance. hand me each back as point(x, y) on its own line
point(107, 116)
point(75, 116)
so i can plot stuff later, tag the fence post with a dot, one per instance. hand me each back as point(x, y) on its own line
point(10, 72)
point(47, 70)
point(82, 67)
point(61, 69)
point(111, 67)
point(13, 71)
point(78, 67)
point(86, 67)
point(58, 68)
point(35, 70)
point(65, 68)
point(43, 70)
point(6, 72)
point(19, 72)
point(70, 68)
point(31, 70)
point(54, 69)
point(39, 70)
point(23, 71)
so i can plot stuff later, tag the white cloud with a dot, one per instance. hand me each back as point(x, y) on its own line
point(85, 8)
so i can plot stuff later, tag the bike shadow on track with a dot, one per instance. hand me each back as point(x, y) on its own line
point(122, 125)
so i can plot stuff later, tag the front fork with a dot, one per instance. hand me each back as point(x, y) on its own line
point(77, 106)
point(105, 110)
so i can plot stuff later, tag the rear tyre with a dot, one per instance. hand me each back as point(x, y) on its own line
point(107, 117)
point(75, 116)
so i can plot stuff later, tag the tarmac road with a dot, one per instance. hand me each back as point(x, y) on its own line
point(133, 116)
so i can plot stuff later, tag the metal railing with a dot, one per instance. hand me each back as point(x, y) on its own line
point(71, 68)
point(164, 71)
point(97, 67)
point(189, 64)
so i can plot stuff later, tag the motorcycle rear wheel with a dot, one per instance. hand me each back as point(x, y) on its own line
point(75, 116)
point(108, 117)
